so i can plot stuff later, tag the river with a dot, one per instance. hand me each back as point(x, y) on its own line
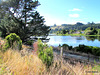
point(74, 40)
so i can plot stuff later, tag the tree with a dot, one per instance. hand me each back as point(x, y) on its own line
point(9, 25)
point(64, 31)
point(98, 31)
point(91, 31)
point(79, 24)
point(21, 13)
point(37, 25)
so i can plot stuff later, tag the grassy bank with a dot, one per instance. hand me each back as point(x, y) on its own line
point(26, 62)
point(75, 35)
point(23, 63)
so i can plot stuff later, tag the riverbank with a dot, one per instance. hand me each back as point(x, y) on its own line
point(78, 56)
point(75, 35)
point(28, 63)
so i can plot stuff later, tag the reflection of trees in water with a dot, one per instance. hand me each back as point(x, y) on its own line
point(92, 38)
point(79, 38)
point(98, 37)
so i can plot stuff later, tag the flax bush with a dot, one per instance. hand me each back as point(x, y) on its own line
point(45, 53)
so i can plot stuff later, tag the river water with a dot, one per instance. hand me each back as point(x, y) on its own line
point(74, 40)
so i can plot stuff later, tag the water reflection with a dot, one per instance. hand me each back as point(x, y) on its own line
point(92, 38)
point(74, 40)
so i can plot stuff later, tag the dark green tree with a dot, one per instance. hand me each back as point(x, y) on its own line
point(37, 25)
point(20, 15)
point(98, 31)
point(64, 31)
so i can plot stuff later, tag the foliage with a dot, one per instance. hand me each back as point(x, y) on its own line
point(92, 38)
point(76, 27)
point(15, 18)
point(66, 46)
point(29, 42)
point(88, 32)
point(37, 26)
point(13, 41)
point(91, 31)
point(88, 49)
point(98, 31)
point(64, 31)
point(8, 26)
point(45, 53)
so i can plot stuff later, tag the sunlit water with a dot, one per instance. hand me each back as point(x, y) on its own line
point(74, 40)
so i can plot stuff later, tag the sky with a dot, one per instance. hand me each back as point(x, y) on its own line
point(69, 11)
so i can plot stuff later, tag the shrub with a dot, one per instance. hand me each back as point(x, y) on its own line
point(13, 41)
point(29, 42)
point(96, 51)
point(65, 47)
point(88, 49)
point(88, 32)
point(70, 47)
point(98, 31)
point(45, 53)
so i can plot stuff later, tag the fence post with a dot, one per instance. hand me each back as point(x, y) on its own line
point(61, 54)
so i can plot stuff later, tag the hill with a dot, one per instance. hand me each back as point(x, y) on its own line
point(77, 26)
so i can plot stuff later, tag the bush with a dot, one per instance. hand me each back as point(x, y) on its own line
point(88, 49)
point(29, 42)
point(65, 47)
point(45, 53)
point(13, 41)
point(98, 31)
point(70, 47)
point(88, 32)
point(96, 51)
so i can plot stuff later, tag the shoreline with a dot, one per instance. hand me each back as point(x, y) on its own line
point(74, 35)
point(89, 57)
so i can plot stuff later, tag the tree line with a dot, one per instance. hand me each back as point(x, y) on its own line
point(72, 28)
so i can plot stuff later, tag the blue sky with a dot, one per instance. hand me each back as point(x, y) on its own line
point(69, 11)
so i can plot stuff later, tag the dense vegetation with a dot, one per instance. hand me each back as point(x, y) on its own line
point(91, 31)
point(78, 28)
point(13, 41)
point(21, 17)
point(45, 53)
point(83, 48)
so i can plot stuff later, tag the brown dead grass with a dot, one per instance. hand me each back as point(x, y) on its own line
point(13, 62)
point(22, 65)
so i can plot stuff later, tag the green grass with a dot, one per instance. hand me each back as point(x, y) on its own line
point(76, 35)
point(97, 68)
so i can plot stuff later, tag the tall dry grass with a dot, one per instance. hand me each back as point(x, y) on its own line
point(24, 62)
point(14, 62)
point(17, 64)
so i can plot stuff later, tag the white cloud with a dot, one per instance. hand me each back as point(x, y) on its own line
point(74, 15)
point(75, 9)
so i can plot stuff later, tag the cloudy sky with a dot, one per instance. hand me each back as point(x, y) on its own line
point(69, 11)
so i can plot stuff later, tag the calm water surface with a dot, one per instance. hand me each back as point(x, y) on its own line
point(74, 40)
